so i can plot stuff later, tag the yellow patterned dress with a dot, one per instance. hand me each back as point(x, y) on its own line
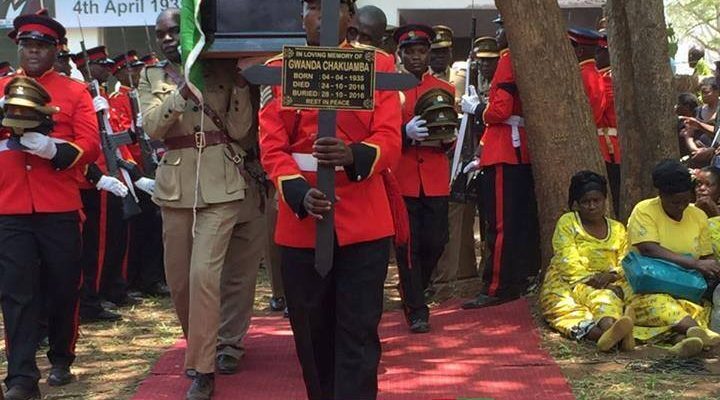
point(656, 314)
point(568, 304)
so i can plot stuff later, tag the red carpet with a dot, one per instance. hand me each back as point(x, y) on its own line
point(484, 354)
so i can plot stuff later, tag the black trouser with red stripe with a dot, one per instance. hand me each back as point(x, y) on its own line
point(428, 237)
point(335, 319)
point(104, 246)
point(512, 234)
point(40, 254)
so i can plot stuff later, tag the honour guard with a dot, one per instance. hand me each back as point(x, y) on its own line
point(62, 64)
point(40, 206)
point(104, 229)
point(507, 191)
point(334, 318)
point(607, 130)
point(423, 171)
point(585, 43)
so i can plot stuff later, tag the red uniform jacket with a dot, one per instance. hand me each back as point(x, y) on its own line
point(118, 122)
point(607, 133)
point(594, 89)
point(120, 101)
point(502, 116)
point(423, 169)
point(30, 184)
point(363, 212)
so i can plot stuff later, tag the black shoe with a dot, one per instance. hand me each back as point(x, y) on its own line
point(484, 300)
point(202, 387)
point(102, 316)
point(126, 301)
point(429, 294)
point(190, 373)
point(60, 376)
point(157, 290)
point(277, 303)
point(286, 314)
point(44, 342)
point(21, 393)
point(227, 364)
point(420, 326)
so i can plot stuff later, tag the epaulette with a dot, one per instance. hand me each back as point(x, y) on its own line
point(362, 46)
point(274, 58)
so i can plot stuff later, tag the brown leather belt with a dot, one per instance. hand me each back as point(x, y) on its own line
point(197, 140)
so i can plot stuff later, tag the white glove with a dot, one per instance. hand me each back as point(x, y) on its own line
point(416, 130)
point(101, 104)
point(2, 102)
point(39, 145)
point(470, 101)
point(112, 185)
point(147, 185)
point(472, 166)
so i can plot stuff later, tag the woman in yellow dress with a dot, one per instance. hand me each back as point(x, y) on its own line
point(581, 296)
point(668, 227)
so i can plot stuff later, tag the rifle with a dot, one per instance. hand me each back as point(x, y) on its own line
point(149, 157)
point(465, 146)
point(109, 149)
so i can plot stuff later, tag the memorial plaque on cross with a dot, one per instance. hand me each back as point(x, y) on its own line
point(327, 118)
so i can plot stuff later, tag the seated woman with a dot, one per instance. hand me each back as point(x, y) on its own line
point(668, 227)
point(581, 296)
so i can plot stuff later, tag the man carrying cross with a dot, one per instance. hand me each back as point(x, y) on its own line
point(334, 317)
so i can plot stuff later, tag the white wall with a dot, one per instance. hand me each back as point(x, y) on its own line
point(391, 7)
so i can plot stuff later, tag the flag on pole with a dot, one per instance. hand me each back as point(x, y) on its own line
point(192, 42)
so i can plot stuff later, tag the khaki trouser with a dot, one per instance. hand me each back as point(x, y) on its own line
point(272, 251)
point(458, 260)
point(193, 267)
point(239, 275)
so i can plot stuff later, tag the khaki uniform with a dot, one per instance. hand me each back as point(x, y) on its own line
point(194, 261)
point(458, 261)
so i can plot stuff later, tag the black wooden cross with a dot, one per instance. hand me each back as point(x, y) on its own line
point(327, 121)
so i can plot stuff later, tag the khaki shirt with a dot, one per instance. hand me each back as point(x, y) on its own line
point(166, 114)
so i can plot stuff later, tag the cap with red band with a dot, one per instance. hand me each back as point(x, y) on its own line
point(122, 61)
point(584, 37)
point(414, 34)
point(96, 55)
point(37, 27)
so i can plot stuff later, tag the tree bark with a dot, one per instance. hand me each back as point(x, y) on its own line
point(644, 97)
point(561, 132)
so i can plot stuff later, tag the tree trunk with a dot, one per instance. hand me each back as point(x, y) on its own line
point(643, 94)
point(561, 131)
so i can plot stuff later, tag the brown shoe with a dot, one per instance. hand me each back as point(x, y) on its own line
point(202, 387)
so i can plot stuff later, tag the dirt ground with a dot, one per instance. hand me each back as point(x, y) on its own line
point(113, 358)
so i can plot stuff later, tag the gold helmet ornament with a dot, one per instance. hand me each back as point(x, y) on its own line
point(26, 106)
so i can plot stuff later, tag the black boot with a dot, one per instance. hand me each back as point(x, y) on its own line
point(202, 387)
point(60, 376)
point(18, 392)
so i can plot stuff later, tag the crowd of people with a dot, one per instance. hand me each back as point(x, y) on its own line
point(154, 190)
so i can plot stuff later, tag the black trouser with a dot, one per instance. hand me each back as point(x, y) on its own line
point(40, 254)
point(104, 246)
point(512, 235)
point(428, 237)
point(145, 267)
point(335, 319)
point(613, 172)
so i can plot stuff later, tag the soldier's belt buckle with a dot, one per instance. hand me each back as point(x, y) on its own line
point(200, 142)
point(236, 159)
